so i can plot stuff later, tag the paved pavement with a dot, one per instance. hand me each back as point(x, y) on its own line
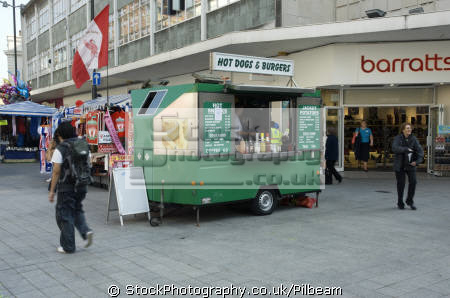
point(356, 240)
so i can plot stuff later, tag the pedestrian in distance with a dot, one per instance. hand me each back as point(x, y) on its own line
point(408, 155)
point(71, 176)
point(363, 144)
point(331, 156)
point(49, 153)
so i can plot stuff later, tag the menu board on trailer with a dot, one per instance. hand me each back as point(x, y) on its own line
point(217, 127)
point(308, 127)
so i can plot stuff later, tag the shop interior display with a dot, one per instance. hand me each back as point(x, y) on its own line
point(442, 155)
point(385, 123)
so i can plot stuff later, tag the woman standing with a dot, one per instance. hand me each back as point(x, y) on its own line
point(331, 156)
point(408, 154)
point(366, 136)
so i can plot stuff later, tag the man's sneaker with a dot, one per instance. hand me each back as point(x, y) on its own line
point(48, 180)
point(60, 250)
point(89, 239)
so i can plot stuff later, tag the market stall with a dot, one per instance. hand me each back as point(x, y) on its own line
point(105, 128)
point(27, 134)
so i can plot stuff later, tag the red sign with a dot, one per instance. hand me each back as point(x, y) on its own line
point(424, 64)
point(107, 148)
point(120, 161)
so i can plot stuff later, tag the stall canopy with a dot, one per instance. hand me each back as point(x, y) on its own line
point(27, 108)
point(115, 100)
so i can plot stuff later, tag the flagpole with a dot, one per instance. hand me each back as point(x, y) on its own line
point(94, 87)
point(107, 85)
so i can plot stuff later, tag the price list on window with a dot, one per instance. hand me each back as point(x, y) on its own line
point(217, 127)
point(308, 127)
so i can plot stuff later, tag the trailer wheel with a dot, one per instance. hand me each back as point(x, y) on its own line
point(265, 202)
point(154, 221)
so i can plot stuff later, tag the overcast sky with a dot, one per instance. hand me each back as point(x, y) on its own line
point(6, 17)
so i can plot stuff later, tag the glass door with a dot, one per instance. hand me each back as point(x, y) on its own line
point(334, 122)
point(436, 113)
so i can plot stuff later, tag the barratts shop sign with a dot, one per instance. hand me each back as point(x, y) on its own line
point(248, 64)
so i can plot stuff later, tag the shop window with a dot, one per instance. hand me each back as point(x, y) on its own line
point(31, 27)
point(32, 68)
point(59, 10)
point(44, 65)
point(172, 12)
point(111, 32)
point(330, 97)
point(44, 19)
point(74, 42)
point(75, 4)
point(385, 123)
point(60, 55)
point(134, 21)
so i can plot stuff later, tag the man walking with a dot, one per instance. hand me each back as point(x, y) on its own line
point(71, 175)
point(331, 156)
point(408, 154)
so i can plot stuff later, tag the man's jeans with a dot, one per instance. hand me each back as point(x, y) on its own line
point(69, 213)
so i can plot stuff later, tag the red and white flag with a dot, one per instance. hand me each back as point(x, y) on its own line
point(92, 49)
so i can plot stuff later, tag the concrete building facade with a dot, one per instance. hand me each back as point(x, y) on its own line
point(141, 29)
point(9, 52)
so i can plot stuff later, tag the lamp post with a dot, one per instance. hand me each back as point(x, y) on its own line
point(6, 4)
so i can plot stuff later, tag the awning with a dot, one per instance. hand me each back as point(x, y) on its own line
point(114, 100)
point(280, 90)
point(27, 108)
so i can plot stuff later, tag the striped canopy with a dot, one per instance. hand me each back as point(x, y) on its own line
point(27, 108)
point(115, 100)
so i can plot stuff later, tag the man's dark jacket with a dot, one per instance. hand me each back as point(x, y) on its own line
point(332, 148)
point(401, 146)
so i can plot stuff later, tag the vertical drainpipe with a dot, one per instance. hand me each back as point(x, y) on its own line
point(37, 45)
point(23, 23)
point(69, 48)
point(50, 38)
point(153, 20)
point(116, 34)
point(203, 23)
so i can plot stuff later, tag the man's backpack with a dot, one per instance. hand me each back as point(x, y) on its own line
point(77, 165)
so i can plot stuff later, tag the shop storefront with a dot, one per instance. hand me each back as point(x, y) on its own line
point(384, 110)
point(385, 84)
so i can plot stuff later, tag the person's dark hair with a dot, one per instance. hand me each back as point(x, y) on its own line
point(65, 130)
point(331, 131)
point(404, 125)
point(55, 136)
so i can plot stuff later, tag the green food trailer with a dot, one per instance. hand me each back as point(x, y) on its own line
point(201, 144)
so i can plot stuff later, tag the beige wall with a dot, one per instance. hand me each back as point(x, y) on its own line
point(443, 97)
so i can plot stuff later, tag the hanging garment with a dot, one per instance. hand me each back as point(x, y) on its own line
point(34, 123)
point(119, 123)
point(21, 128)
